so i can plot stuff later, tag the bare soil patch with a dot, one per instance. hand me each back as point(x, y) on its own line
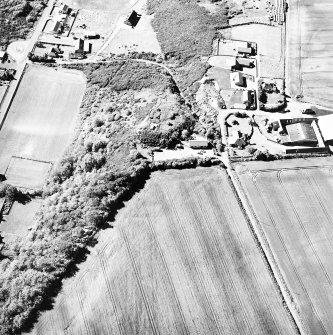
point(180, 260)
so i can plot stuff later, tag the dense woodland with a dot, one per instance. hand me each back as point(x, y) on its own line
point(17, 18)
point(185, 32)
point(101, 168)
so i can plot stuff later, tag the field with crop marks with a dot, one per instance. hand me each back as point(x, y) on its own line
point(41, 120)
point(298, 223)
point(310, 51)
point(180, 260)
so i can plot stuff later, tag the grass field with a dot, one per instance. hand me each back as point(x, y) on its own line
point(41, 120)
point(108, 5)
point(180, 260)
point(310, 51)
point(298, 223)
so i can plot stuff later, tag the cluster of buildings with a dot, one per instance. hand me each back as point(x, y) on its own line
point(64, 12)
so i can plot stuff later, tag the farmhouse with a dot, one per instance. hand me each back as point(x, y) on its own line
point(198, 143)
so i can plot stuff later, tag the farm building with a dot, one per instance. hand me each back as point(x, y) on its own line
point(326, 127)
point(133, 19)
point(237, 78)
point(300, 132)
point(7, 75)
point(198, 143)
point(245, 62)
point(58, 28)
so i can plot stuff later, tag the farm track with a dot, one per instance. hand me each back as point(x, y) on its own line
point(290, 258)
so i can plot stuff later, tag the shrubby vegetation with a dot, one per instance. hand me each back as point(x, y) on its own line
point(101, 168)
point(17, 17)
point(186, 31)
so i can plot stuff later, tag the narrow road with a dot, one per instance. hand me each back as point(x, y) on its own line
point(6, 103)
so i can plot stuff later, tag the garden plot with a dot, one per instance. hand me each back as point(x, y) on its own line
point(292, 201)
point(180, 260)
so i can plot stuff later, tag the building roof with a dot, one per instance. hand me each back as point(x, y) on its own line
point(86, 46)
point(57, 26)
point(79, 44)
point(2, 54)
point(301, 132)
point(326, 126)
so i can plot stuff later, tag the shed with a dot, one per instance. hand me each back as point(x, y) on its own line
point(64, 9)
point(90, 34)
point(132, 19)
point(300, 133)
point(79, 45)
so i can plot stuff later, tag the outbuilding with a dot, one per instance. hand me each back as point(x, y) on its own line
point(237, 78)
point(244, 51)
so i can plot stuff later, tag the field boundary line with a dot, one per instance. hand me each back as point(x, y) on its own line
point(264, 246)
point(153, 231)
point(139, 282)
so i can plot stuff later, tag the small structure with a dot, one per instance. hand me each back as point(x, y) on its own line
point(198, 143)
point(7, 74)
point(275, 125)
point(132, 19)
point(237, 78)
point(89, 34)
point(58, 28)
point(64, 9)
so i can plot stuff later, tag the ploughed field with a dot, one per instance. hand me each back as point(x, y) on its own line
point(310, 50)
point(294, 209)
point(180, 260)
